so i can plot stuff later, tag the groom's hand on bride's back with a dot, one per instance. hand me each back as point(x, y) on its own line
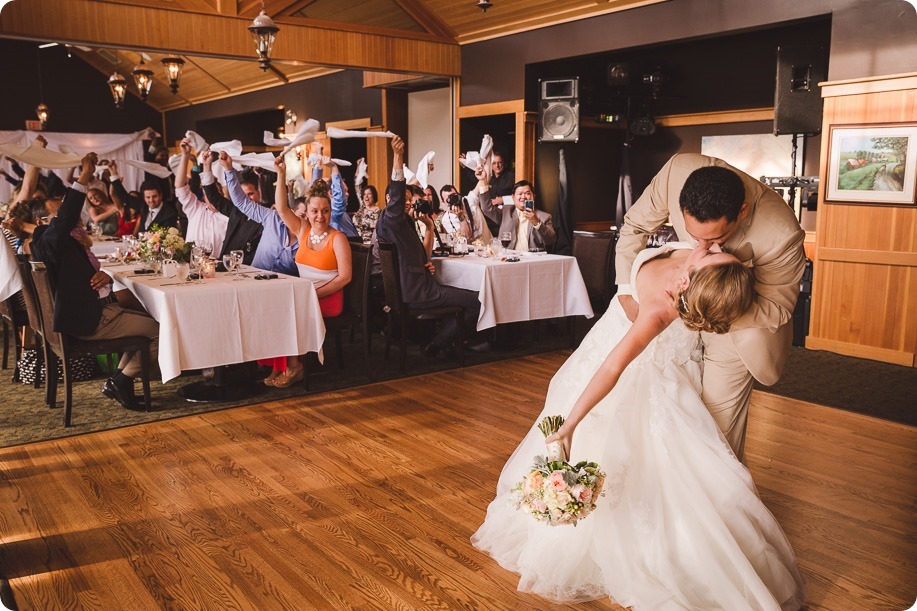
point(631, 307)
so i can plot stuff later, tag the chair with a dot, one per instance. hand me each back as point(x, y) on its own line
point(595, 252)
point(356, 303)
point(61, 345)
point(13, 321)
point(395, 306)
point(32, 310)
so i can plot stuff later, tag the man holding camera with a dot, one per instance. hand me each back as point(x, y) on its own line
point(418, 288)
point(529, 229)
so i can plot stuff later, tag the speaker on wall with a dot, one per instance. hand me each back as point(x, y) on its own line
point(558, 110)
point(797, 99)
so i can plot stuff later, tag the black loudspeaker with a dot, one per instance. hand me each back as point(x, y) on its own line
point(797, 99)
point(558, 110)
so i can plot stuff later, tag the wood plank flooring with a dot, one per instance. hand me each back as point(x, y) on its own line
point(366, 499)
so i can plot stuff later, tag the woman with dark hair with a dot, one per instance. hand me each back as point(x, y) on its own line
point(366, 217)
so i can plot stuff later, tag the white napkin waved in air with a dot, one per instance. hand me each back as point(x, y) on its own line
point(423, 170)
point(305, 135)
point(360, 174)
point(335, 132)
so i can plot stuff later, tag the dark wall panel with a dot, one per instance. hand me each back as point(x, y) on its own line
point(77, 94)
point(336, 97)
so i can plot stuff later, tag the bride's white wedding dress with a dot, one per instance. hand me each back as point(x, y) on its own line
point(680, 526)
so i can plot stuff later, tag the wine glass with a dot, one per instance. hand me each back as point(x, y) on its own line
point(237, 256)
point(506, 238)
point(207, 248)
point(229, 262)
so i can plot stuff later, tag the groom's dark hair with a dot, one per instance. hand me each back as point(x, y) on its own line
point(712, 193)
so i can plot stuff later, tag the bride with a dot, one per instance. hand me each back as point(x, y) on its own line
point(680, 525)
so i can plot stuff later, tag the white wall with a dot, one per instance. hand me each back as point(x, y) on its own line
point(430, 124)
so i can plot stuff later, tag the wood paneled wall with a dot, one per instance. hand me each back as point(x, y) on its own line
point(864, 297)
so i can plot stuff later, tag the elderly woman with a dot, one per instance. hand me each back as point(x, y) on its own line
point(366, 217)
point(323, 257)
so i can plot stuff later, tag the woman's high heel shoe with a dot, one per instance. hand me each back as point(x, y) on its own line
point(269, 381)
point(287, 379)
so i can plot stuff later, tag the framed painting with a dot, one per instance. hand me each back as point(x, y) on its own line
point(872, 164)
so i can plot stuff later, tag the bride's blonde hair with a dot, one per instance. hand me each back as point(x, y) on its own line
point(716, 297)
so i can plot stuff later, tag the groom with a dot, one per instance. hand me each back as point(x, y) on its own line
point(709, 202)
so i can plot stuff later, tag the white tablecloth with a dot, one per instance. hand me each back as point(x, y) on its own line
point(536, 287)
point(222, 321)
point(102, 247)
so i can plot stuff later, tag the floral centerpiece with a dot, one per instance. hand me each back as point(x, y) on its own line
point(164, 242)
point(555, 491)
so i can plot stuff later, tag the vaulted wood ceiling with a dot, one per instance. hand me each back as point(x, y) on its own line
point(316, 36)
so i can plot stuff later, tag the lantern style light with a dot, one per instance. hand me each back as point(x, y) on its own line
point(42, 112)
point(143, 79)
point(264, 32)
point(173, 66)
point(484, 5)
point(118, 86)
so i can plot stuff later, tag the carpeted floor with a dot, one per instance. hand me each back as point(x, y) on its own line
point(857, 385)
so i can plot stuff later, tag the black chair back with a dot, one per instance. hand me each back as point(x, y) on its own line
point(356, 294)
point(595, 252)
point(28, 293)
point(388, 259)
point(45, 293)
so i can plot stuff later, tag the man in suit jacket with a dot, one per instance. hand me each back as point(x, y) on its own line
point(418, 288)
point(710, 202)
point(529, 228)
point(153, 210)
point(83, 306)
point(242, 233)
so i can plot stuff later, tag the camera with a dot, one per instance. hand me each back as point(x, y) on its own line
point(422, 206)
point(453, 199)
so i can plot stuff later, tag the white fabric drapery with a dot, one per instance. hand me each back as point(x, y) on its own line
point(106, 146)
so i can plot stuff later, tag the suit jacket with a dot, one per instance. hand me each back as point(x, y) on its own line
point(508, 218)
point(242, 233)
point(396, 227)
point(77, 309)
point(166, 217)
point(768, 238)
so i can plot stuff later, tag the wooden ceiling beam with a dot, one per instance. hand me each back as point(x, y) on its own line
point(274, 8)
point(429, 20)
point(149, 28)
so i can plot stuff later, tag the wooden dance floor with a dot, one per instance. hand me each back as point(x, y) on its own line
point(366, 499)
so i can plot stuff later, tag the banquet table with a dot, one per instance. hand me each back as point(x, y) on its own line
point(104, 246)
point(537, 286)
point(223, 321)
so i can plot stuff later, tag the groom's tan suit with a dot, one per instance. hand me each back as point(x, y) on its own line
point(770, 240)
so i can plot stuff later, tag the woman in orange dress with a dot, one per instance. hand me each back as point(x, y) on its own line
point(323, 257)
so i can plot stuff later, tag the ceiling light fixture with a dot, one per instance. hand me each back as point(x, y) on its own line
point(118, 86)
point(484, 5)
point(173, 66)
point(264, 33)
point(143, 79)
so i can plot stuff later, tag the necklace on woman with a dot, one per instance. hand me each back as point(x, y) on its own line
point(317, 239)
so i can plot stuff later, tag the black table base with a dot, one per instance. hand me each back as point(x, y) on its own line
point(220, 389)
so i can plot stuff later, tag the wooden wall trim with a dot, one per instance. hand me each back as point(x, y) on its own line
point(875, 257)
point(158, 29)
point(710, 118)
point(508, 107)
point(876, 84)
point(859, 350)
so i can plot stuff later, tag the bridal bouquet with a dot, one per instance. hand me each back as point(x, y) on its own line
point(555, 491)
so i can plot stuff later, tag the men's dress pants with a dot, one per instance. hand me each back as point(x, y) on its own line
point(118, 322)
point(452, 296)
point(727, 389)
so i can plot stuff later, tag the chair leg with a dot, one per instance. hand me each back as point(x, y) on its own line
point(35, 342)
point(367, 340)
point(6, 344)
point(68, 390)
point(404, 345)
point(18, 348)
point(340, 347)
point(460, 319)
point(388, 334)
point(145, 372)
point(51, 380)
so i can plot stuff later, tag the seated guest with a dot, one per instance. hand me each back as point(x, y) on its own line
point(102, 211)
point(83, 303)
point(242, 233)
point(277, 247)
point(206, 225)
point(152, 209)
point(457, 220)
point(528, 228)
point(429, 194)
point(323, 257)
point(418, 288)
point(365, 218)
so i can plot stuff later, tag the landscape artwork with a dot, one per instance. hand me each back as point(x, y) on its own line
point(872, 164)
